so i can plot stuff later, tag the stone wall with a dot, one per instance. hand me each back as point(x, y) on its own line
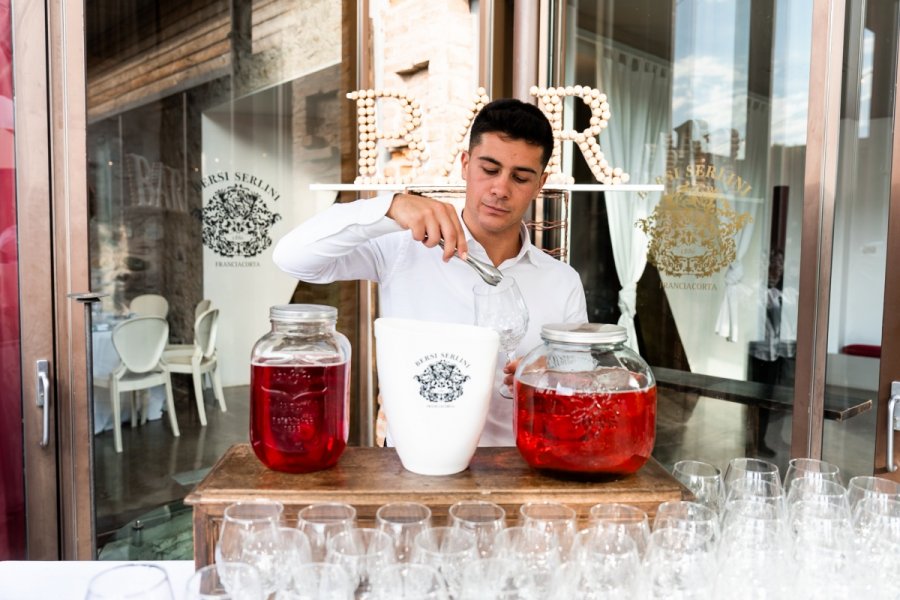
point(429, 50)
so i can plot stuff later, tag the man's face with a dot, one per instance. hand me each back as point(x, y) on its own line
point(503, 177)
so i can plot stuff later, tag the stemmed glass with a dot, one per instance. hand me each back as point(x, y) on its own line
point(362, 552)
point(403, 521)
point(502, 308)
point(704, 480)
point(249, 533)
point(625, 520)
point(449, 550)
point(225, 581)
point(810, 468)
point(482, 518)
point(322, 521)
point(138, 581)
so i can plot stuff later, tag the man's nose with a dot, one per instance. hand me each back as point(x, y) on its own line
point(501, 187)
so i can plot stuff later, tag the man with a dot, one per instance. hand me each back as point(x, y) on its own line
point(392, 240)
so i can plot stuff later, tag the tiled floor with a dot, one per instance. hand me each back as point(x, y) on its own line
point(156, 470)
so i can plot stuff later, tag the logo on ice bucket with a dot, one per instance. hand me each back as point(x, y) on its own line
point(441, 382)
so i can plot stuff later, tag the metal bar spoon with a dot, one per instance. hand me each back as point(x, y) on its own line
point(489, 273)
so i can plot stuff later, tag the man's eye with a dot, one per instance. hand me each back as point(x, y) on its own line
point(491, 171)
point(520, 179)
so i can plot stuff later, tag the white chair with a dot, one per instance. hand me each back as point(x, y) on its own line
point(149, 305)
point(200, 358)
point(202, 306)
point(140, 343)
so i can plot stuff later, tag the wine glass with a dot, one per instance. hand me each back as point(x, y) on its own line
point(322, 521)
point(403, 521)
point(751, 469)
point(811, 468)
point(866, 486)
point(138, 581)
point(482, 518)
point(499, 579)
point(449, 550)
point(249, 533)
point(362, 551)
point(557, 520)
point(603, 565)
point(502, 308)
point(225, 581)
point(704, 480)
point(409, 581)
point(320, 581)
point(623, 519)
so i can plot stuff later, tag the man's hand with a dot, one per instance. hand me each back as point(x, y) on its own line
point(508, 371)
point(430, 221)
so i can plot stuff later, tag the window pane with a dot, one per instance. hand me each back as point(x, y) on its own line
point(208, 120)
point(708, 269)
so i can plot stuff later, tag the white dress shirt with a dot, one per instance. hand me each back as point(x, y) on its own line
point(357, 241)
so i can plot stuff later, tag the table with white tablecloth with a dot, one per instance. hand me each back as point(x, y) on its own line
point(68, 580)
point(106, 359)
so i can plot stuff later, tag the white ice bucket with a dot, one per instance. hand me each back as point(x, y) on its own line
point(435, 381)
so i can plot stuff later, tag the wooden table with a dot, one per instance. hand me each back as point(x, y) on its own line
point(370, 477)
point(841, 403)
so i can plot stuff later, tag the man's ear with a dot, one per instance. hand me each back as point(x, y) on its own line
point(543, 178)
point(464, 162)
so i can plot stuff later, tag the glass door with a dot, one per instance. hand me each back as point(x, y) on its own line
point(710, 99)
point(863, 354)
point(30, 472)
point(713, 100)
point(207, 121)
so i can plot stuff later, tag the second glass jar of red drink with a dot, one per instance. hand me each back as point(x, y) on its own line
point(300, 390)
point(585, 402)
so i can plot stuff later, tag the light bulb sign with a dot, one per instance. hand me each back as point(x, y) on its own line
point(550, 100)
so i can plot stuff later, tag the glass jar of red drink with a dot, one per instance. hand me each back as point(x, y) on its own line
point(300, 390)
point(585, 402)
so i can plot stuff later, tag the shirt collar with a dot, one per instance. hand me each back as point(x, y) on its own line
point(526, 252)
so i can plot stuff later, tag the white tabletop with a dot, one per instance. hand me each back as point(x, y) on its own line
point(68, 580)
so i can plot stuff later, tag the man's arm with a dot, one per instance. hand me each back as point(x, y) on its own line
point(336, 244)
point(430, 221)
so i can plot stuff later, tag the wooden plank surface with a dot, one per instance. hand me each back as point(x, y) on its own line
point(370, 477)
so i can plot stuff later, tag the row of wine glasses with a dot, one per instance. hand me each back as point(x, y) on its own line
point(806, 533)
point(749, 534)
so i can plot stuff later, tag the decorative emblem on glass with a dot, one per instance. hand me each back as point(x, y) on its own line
point(236, 222)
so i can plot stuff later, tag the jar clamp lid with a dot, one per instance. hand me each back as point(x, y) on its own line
point(584, 333)
point(303, 313)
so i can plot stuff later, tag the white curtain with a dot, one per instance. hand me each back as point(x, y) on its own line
point(753, 171)
point(638, 89)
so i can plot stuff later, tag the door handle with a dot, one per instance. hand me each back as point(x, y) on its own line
point(43, 398)
point(892, 404)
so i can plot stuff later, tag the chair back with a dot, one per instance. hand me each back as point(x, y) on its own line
point(202, 306)
point(140, 342)
point(150, 305)
point(205, 328)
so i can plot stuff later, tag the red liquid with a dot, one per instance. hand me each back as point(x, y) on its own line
point(585, 433)
point(298, 416)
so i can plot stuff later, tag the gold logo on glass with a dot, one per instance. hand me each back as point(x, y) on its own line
point(691, 231)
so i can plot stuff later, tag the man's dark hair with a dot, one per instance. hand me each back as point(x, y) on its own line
point(516, 120)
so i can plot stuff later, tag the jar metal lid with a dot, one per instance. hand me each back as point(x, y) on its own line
point(303, 313)
point(584, 333)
